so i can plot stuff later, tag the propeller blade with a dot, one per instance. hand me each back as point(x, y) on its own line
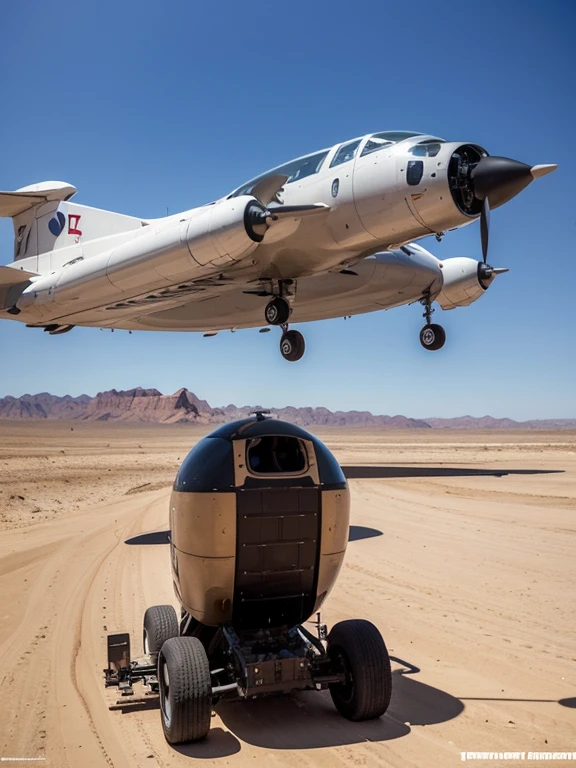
point(267, 190)
point(258, 219)
point(297, 211)
point(485, 227)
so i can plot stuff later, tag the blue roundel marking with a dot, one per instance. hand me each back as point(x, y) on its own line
point(335, 187)
point(56, 225)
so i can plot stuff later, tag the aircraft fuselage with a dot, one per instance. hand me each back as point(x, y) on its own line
point(302, 232)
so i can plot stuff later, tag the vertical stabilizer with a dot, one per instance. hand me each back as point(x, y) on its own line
point(44, 221)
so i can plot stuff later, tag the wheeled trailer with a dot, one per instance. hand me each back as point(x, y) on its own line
point(259, 525)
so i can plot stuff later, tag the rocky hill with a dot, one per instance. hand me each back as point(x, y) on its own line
point(489, 422)
point(150, 405)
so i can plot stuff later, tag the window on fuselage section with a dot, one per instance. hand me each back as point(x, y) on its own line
point(300, 169)
point(276, 454)
point(345, 153)
point(385, 139)
point(426, 149)
point(295, 170)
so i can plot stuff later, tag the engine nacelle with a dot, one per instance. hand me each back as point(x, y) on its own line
point(463, 281)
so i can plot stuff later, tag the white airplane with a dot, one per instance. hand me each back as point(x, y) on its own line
point(327, 235)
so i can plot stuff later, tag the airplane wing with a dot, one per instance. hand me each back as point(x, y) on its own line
point(235, 304)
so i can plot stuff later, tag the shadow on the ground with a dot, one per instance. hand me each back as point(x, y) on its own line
point(570, 702)
point(370, 471)
point(417, 703)
point(302, 720)
point(358, 532)
point(218, 743)
point(156, 537)
point(308, 720)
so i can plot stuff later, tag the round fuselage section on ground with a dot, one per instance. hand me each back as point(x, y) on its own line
point(259, 516)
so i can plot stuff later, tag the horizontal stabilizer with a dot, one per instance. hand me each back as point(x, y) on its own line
point(13, 276)
point(14, 203)
point(12, 284)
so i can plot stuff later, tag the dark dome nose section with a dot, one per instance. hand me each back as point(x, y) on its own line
point(500, 179)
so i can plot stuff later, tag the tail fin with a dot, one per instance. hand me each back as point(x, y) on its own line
point(44, 220)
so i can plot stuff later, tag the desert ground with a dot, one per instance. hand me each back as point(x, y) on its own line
point(461, 551)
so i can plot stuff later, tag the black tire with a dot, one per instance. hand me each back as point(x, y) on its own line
point(432, 336)
point(277, 311)
point(160, 624)
point(185, 690)
point(357, 645)
point(292, 346)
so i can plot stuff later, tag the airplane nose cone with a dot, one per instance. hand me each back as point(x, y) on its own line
point(500, 179)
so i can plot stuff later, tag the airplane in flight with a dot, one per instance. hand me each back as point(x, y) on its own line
point(323, 236)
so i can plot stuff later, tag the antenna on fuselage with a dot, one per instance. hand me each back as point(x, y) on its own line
point(260, 414)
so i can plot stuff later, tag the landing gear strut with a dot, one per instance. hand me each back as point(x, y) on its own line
point(432, 336)
point(277, 312)
point(292, 345)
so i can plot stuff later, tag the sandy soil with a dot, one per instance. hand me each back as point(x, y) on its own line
point(469, 574)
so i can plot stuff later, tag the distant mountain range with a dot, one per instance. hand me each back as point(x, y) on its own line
point(150, 405)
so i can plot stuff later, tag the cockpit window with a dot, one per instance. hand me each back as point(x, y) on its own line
point(345, 153)
point(382, 140)
point(426, 149)
point(295, 170)
point(276, 454)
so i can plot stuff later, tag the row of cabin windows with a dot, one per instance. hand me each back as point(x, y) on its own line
point(299, 169)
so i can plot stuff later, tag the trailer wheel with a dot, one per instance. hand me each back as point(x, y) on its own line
point(185, 690)
point(359, 648)
point(160, 624)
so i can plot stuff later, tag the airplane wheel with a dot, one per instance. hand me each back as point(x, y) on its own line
point(185, 690)
point(358, 646)
point(277, 311)
point(160, 624)
point(432, 336)
point(292, 346)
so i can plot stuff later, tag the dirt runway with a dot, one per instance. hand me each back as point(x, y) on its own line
point(461, 551)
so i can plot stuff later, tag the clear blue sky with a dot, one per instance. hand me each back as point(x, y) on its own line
point(147, 105)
